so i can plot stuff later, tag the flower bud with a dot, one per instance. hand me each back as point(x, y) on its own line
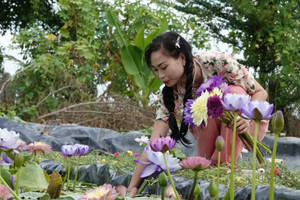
point(220, 143)
point(162, 180)
point(197, 190)
point(277, 122)
point(212, 189)
point(19, 160)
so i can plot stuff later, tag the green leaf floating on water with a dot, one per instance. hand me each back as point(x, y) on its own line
point(35, 195)
point(32, 178)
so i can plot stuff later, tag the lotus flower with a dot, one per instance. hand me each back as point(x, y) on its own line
point(257, 110)
point(235, 101)
point(163, 144)
point(9, 139)
point(5, 193)
point(69, 150)
point(195, 163)
point(156, 163)
point(38, 148)
point(82, 149)
point(104, 192)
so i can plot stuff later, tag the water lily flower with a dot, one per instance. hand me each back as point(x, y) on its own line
point(82, 149)
point(142, 140)
point(136, 155)
point(38, 148)
point(9, 139)
point(257, 110)
point(235, 101)
point(156, 163)
point(163, 144)
point(196, 163)
point(69, 150)
point(103, 161)
point(104, 192)
point(5, 193)
point(5, 157)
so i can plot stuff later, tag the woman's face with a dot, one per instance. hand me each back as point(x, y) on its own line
point(169, 70)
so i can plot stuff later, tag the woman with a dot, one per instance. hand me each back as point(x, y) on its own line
point(170, 57)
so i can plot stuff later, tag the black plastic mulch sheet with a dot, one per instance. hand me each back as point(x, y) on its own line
point(105, 140)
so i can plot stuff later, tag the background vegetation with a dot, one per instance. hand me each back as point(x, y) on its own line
point(71, 47)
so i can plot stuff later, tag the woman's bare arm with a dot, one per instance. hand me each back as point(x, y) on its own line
point(160, 128)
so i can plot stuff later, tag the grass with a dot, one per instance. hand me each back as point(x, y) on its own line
point(124, 163)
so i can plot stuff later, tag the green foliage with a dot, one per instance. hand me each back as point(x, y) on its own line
point(32, 178)
point(20, 14)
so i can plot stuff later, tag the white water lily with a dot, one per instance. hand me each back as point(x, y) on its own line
point(142, 140)
point(9, 139)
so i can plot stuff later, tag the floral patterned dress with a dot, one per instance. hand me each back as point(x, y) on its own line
point(211, 63)
point(242, 82)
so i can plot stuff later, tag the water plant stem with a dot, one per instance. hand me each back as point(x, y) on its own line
point(18, 180)
point(194, 185)
point(170, 177)
point(162, 193)
point(76, 173)
point(232, 157)
point(271, 195)
point(254, 160)
point(218, 173)
point(2, 181)
point(145, 183)
point(69, 171)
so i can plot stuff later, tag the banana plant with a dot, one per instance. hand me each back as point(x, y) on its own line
point(132, 56)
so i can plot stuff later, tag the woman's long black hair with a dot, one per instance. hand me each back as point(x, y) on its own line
point(167, 43)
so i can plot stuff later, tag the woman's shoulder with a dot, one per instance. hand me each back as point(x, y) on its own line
point(209, 55)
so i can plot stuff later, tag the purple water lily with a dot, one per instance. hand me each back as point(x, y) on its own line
point(5, 157)
point(257, 110)
point(82, 149)
point(234, 102)
point(69, 150)
point(156, 163)
point(187, 111)
point(163, 144)
point(9, 139)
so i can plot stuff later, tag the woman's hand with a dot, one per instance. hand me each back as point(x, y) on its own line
point(123, 191)
point(242, 125)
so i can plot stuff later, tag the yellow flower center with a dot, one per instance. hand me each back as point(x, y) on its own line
point(97, 193)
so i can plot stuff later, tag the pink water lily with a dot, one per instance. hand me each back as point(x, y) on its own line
point(5, 193)
point(196, 163)
point(104, 192)
point(38, 148)
point(257, 110)
point(163, 144)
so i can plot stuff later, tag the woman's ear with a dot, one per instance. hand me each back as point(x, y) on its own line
point(182, 58)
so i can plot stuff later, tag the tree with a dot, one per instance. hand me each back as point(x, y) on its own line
point(16, 15)
point(65, 67)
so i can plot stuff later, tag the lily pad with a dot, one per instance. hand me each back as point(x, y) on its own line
point(32, 178)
